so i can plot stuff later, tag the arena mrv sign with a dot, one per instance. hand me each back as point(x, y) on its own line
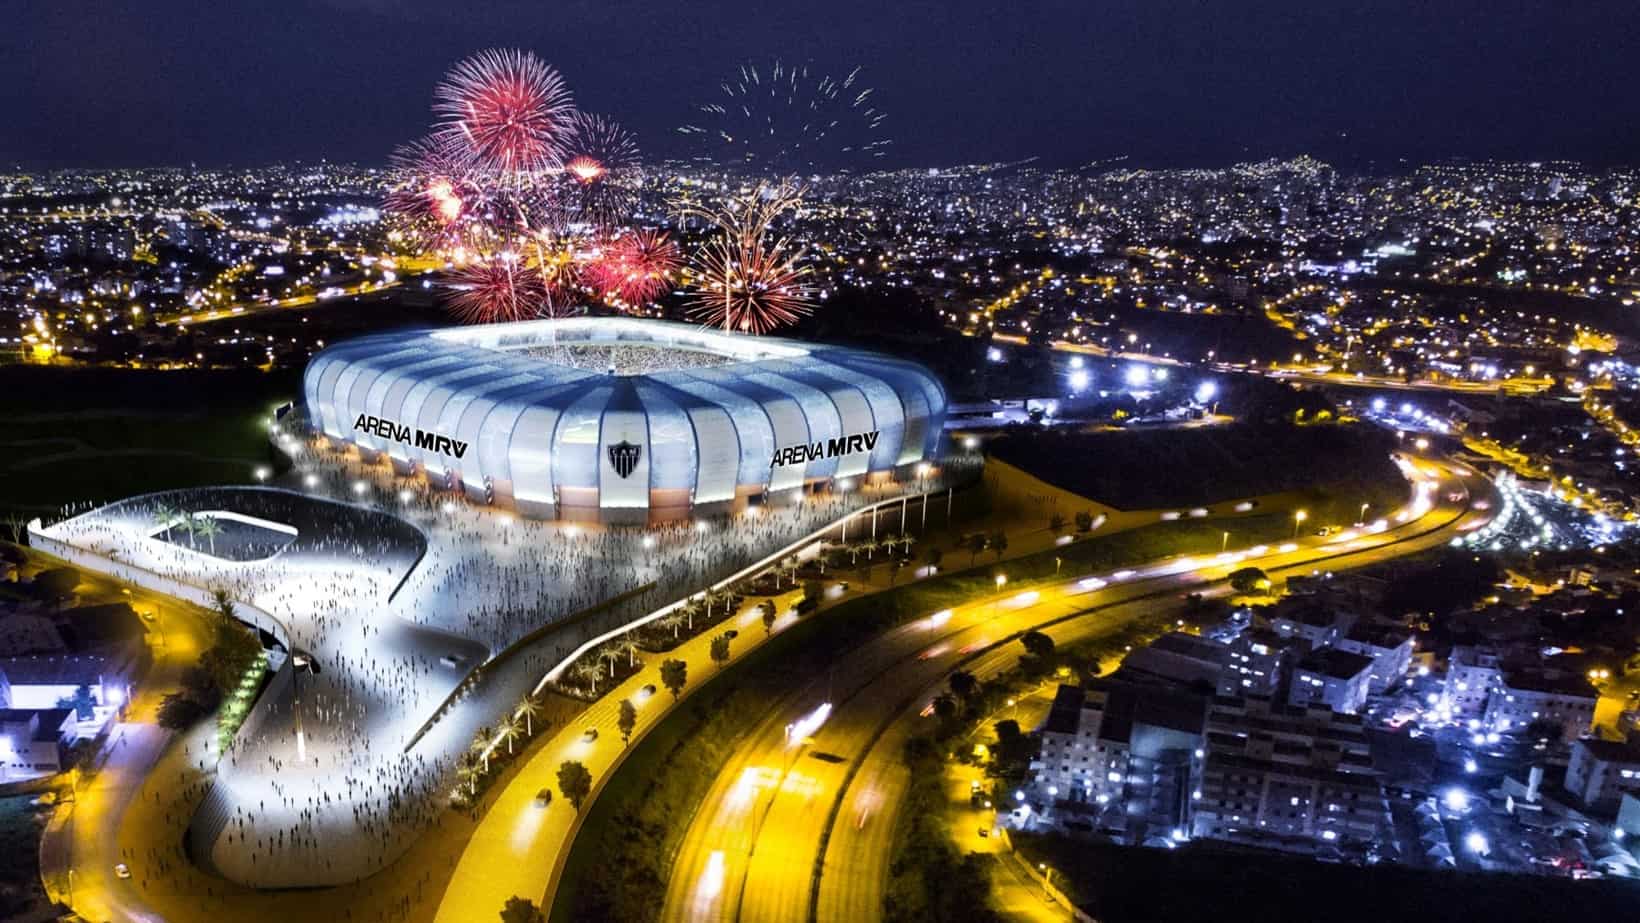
point(422, 439)
point(831, 448)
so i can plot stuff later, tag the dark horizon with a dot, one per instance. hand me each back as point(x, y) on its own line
point(1166, 82)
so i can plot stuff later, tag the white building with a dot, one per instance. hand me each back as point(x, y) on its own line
point(1331, 677)
point(1290, 778)
point(1390, 648)
point(1602, 772)
point(1524, 696)
point(1121, 755)
point(1471, 675)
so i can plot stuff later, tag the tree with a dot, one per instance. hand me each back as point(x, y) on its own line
point(469, 772)
point(963, 684)
point(628, 720)
point(1249, 580)
point(587, 672)
point(672, 620)
point(575, 781)
point(179, 711)
point(206, 526)
point(999, 543)
point(720, 650)
point(628, 645)
point(945, 707)
point(82, 701)
point(528, 709)
point(769, 616)
point(57, 584)
point(510, 729)
point(974, 544)
point(1037, 644)
point(674, 673)
point(520, 910)
point(608, 656)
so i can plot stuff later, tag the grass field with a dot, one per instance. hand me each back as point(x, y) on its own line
point(20, 824)
point(101, 434)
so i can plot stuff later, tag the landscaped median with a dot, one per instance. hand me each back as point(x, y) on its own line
point(642, 811)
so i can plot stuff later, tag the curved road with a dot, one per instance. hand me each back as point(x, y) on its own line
point(751, 852)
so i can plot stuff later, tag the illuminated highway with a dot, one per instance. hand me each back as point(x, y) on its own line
point(751, 851)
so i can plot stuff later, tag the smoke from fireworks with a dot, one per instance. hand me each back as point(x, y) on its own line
point(748, 277)
point(601, 170)
point(636, 267)
point(786, 117)
point(504, 111)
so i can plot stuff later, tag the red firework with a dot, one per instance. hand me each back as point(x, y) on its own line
point(441, 200)
point(637, 267)
point(503, 288)
point(505, 111)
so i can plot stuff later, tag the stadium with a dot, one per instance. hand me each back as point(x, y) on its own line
point(621, 420)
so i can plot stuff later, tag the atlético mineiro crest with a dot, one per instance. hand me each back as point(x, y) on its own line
point(624, 456)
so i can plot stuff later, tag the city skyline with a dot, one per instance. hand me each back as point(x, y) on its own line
point(1165, 84)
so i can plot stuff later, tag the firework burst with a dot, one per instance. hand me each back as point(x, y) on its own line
point(748, 277)
point(601, 170)
point(506, 112)
point(502, 288)
point(636, 267)
point(789, 117)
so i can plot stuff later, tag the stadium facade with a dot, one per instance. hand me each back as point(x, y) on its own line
point(623, 420)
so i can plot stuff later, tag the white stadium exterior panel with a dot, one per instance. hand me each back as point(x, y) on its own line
point(621, 419)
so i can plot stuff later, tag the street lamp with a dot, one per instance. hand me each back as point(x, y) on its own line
point(1298, 520)
point(1224, 544)
point(1363, 519)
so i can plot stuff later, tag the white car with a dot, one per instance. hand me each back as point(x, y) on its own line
point(122, 871)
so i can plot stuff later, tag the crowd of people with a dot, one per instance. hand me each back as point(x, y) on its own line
point(393, 591)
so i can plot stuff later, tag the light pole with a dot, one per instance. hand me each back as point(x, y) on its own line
point(1224, 544)
point(1298, 520)
point(1363, 520)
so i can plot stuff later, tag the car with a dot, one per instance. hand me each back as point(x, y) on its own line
point(590, 735)
point(1324, 531)
point(842, 586)
point(731, 634)
point(647, 691)
point(452, 660)
point(985, 831)
point(122, 871)
point(543, 797)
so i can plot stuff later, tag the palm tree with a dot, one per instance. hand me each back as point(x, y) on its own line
point(163, 514)
point(528, 709)
point(908, 540)
point(608, 656)
point(480, 746)
point(628, 645)
point(468, 772)
point(206, 526)
point(587, 672)
point(510, 729)
point(672, 620)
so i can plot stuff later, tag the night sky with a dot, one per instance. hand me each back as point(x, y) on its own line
point(1170, 82)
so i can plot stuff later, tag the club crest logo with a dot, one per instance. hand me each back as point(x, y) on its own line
point(624, 456)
